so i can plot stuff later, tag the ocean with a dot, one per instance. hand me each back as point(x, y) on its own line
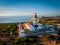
point(14, 19)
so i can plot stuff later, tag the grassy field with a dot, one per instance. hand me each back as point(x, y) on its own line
point(7, 28)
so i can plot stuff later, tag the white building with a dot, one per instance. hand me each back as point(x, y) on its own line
point(21, 31)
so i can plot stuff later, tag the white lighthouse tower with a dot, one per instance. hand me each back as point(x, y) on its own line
point(35, 23)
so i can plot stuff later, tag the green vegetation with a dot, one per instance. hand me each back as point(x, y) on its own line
point(26, 41)
point(9, 31)
point(49, 37)
point(49, 20)
point(21, 41)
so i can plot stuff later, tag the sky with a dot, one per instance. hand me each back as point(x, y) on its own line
point(28, 7)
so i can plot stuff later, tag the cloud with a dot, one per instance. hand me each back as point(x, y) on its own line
point(44, 11)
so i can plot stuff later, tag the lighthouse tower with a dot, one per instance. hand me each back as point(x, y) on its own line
point(35, 23)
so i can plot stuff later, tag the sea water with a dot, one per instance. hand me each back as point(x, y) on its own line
point(15, 19)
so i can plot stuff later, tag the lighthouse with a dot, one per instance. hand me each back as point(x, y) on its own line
point(35, 23)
